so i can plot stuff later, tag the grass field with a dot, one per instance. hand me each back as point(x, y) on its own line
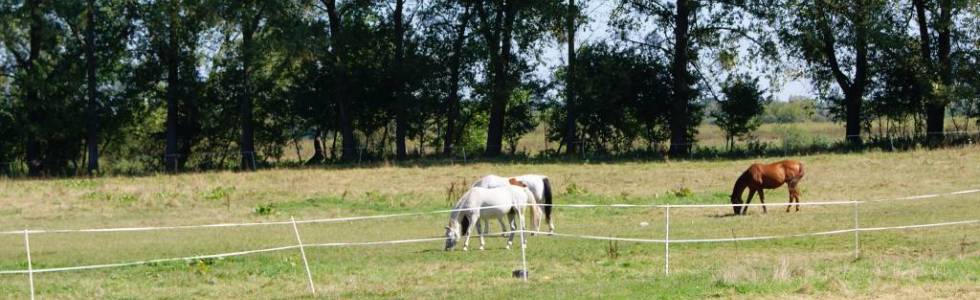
point(941, 262)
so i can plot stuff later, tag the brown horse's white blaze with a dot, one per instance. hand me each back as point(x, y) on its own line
point(768, 176)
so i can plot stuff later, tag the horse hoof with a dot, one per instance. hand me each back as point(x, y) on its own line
point(466, 249)
point(508, 247)
point(481, 248)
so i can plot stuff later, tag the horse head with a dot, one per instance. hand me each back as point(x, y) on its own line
point(737, 199)
point(452, 236)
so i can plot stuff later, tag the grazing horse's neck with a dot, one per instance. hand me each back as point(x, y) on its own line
point(741, 184)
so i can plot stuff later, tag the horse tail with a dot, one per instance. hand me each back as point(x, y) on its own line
point(547, 198)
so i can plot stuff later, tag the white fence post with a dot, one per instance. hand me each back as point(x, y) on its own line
point(667, 239)
point(309, 275)
point(524, 270)
point(30, 265)
point(857, 245)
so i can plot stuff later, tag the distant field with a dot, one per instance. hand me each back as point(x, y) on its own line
point(709, 135)
point(942, 262)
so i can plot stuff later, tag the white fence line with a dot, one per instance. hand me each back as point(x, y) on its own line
point(216, 256)
point(524, 271)
point(399, 215)
point(752, 238)
point(422, 240)
point(151, 261)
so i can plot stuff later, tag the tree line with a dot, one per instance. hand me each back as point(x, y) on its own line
point(170, 83)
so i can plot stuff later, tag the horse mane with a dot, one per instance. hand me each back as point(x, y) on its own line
point(454, 217)
point(464, 225)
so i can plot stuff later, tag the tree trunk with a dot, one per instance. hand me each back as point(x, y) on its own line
point(92, 108)
point(498, 105)
point(679, 145)
point(299, 149)
point(318, 155)
point(399, 82)
point(349, 144)
point(170, 156)
point(855, 94)
point(935, 122)
point(333, 147)
point(32, 148)
point(936, 105)
point(247, 141)
point(452, 107)
point(853, 116)
point(571, 115)
point(853, 89)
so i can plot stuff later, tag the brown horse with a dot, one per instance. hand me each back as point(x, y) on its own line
point(768, 176)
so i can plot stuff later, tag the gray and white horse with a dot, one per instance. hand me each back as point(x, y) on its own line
point(478, 202)
point(539, 185)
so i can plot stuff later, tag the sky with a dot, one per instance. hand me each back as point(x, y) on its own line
point(597, 30)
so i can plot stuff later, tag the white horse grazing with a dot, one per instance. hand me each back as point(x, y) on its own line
point(540, 187)
point(509, 200)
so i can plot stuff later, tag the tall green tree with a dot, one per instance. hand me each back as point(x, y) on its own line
point(506, 26)
point(170, 32)
point(44, 43)
point(340, 40)
point(687, 31)
point(837, 41)
point(942, 44)
point(624, 99)
point(458, 32)
point(24, 36)
point(398, 78)
point(738, 114)
point(251, 21)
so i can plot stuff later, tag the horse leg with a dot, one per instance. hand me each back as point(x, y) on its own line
point(762, 199)
point(469, 231)
point(536, 215)
point(480, 230)
point(797, 197)
point(551, 222)
point(745, 209)
point(790, 204)
point(503, 228)
point(510, 219)
point(794, 195)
